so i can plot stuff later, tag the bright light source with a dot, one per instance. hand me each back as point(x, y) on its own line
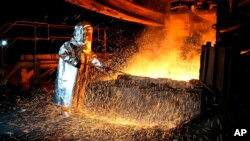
point(4, 43)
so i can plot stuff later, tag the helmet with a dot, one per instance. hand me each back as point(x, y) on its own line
point(83, 35)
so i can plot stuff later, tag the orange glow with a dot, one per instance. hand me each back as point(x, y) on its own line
point(87, 48)
point(172, 52)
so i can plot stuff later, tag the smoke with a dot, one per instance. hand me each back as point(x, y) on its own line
point(173, 51)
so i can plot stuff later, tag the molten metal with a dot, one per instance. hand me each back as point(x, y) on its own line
point(173, 52)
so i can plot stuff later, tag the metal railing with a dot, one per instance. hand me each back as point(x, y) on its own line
point(10, 33)
point(6, 28)
point(34, 32)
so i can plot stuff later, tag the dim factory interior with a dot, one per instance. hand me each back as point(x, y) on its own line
point(179, 70)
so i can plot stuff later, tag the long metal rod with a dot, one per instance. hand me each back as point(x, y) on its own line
point(105, 44)
point(28, 23)
point(35, 51)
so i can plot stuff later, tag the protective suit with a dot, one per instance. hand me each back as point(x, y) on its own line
point(72, 73)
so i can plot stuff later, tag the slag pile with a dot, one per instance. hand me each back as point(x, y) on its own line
point(146, 101)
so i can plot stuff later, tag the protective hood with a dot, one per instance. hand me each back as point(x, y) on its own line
point(82, 36)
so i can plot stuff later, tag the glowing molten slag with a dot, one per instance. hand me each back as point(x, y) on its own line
point(173, 52)
point(168, 66)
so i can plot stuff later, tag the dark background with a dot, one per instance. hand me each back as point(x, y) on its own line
point(55, 11)
point(120, 33)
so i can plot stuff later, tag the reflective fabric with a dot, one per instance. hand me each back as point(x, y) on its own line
point(72, 72)
point(78, 34)
point(95, 62)
point(66, 75)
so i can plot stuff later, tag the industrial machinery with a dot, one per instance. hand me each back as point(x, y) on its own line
point(220, 102)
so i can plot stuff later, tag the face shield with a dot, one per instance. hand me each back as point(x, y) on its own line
point(83, 35)
point(78, 34)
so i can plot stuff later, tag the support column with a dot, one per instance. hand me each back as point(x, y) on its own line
point(25, 77)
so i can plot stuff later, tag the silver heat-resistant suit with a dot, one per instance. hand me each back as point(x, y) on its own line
point(72, 73)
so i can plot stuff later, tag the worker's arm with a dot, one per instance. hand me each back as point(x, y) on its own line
point(98, 64)
point(69, 53)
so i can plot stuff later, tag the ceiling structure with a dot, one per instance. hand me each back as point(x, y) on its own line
point(124, 10)
point(146, 12)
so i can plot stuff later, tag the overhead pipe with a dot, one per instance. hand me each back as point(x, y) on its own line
point(96, 6)
point(135, 10)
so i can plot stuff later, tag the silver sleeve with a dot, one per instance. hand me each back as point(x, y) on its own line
point(95, 62)
point(68, 55)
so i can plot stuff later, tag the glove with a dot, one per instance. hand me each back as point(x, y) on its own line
point(78, 65)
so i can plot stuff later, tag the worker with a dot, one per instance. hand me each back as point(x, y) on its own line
point(75, 56)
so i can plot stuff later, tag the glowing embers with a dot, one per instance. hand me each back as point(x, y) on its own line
point(174, 51)
point(128, 108)
point(145, 101)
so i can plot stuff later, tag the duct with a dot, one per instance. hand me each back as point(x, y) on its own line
point(135, 10)
point(131, 12)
